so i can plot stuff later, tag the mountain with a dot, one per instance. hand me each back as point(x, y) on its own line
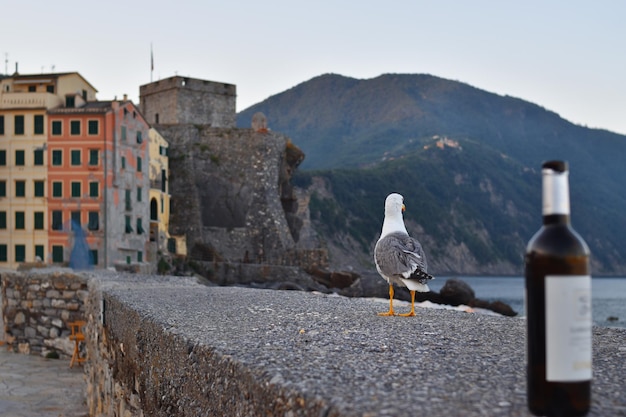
point(466, 160)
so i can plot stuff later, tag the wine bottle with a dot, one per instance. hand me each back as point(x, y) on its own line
point(558, 306)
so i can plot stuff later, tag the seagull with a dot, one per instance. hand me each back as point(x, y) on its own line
point(399, 258)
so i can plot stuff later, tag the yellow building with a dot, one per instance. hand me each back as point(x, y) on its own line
point(24, 128)
point(159, 193)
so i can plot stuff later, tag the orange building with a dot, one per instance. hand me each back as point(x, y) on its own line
point(98, 182)
point(74, 175)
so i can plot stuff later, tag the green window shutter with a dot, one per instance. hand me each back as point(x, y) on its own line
point(20, 253)
point(92, 127)
point(57, 189)
point(57, 128)
point(19, 125)
point(39, 220)
point(57, 157)
point(19, 158)
point(39, 188)
point(20, 188)
point(19, 220)
point(38, 124)
point(76, 189)
point(75, 157)
point(75, 127)
point(38, 157)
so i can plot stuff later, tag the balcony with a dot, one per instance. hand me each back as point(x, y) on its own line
point(30, 100)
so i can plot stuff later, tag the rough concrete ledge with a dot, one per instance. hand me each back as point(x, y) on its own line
point(176, 348)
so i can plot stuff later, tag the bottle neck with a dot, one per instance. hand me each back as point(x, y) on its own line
point(555, 207)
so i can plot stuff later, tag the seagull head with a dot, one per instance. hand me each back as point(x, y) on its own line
point(394, 204)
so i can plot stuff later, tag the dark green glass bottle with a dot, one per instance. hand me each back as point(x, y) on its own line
point(558, 306)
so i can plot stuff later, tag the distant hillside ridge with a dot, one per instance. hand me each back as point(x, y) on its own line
point(365, 138)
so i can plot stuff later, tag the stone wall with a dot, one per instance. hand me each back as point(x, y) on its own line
point(232, 198)
point(180, 100)
point(37, 307)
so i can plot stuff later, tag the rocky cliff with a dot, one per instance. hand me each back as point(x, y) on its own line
point(232, 197)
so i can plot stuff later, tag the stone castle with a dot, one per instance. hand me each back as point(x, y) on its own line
point(231, 191)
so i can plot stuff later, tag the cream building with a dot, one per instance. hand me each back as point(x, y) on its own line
point(24, 101)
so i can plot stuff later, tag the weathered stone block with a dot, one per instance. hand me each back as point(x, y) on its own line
point(19, 319)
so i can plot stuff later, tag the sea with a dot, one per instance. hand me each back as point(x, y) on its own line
point(608, 295)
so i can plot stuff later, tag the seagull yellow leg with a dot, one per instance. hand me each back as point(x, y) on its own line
point(390, 312)
point(412, 312)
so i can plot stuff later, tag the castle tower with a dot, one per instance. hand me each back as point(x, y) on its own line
point(184, 100)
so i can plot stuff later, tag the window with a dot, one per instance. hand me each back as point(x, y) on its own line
point(32, 88)
point(57, 157)
point(39, 220)
point(139, 164)
point(94, 189)
point(19, 125)
point(3, 253)
point(57, 220)
point(57, 128)
point(128, 228)
point(75, 157)
point(39, 188)
point(75, 127)
point(94, 256)
point(57, 253)
point(139, 138)
point(20, 188)
point(156, 118)
point(124, 132)
point(75, 188)
point(163, 180)
point(127, 201)
point(93, 157)
point(38, 124)
point(3, 157)
point(139, 227)
point(19, 158)
point(39, 255)
point(139, 192)
point(123, 162)
point(50, 89)
point(57, 189)
point(38, 156)
point(70, 101)
point(139, 256)
point(1, 125)
point(75, 220)
point(20, 253)
point(3, 219)
point(19, 220)
point(94, 220)
point(3, 188)
point(92, 127)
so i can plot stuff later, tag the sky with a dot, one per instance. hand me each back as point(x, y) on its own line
point(567, 56)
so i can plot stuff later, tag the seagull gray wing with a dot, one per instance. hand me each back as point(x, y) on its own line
point(401, 256)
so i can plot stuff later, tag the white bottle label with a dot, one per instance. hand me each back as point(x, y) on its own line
point(568, 328)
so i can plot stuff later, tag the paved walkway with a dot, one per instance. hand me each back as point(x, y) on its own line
point(34, 386)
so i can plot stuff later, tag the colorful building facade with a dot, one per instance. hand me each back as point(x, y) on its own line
point(74, 175)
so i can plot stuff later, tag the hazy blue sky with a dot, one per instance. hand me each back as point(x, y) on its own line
point(567, 56)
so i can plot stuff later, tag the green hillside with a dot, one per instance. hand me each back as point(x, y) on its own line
point(475, 205)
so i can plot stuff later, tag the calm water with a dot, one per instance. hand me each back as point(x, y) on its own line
point(608, 294)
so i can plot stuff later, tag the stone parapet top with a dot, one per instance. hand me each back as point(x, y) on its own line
point(329, 355)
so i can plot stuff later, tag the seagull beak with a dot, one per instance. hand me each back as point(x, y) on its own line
point(403, 207)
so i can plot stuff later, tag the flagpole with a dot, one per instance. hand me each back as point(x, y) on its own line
point(151, 62)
